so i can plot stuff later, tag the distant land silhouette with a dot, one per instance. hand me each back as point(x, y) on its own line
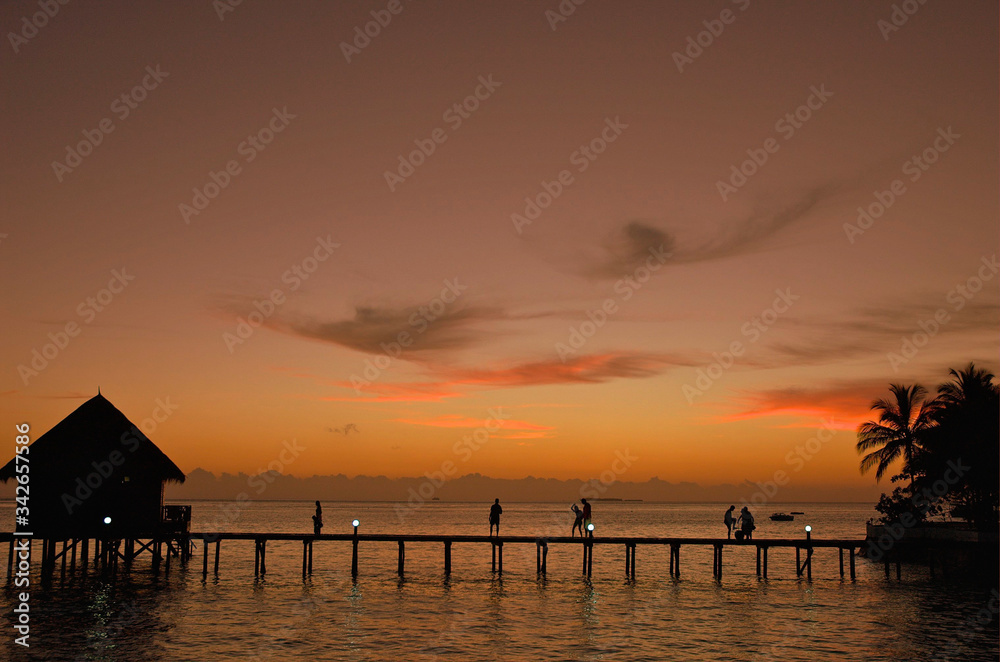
point(201, 484)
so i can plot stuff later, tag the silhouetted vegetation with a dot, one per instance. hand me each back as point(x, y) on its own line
point(949, 447)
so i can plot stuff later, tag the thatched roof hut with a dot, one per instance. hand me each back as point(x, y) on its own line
point(95, 464)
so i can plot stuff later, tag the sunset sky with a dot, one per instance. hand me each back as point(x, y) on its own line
point(568, 166)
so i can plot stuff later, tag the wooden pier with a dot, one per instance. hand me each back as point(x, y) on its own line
point(108, 553)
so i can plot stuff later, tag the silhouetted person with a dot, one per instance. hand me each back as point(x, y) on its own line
point(729, 521)
point(318, 519)
point(495, 512)
point(586, 516)
point(746, 523)
point(578, 523)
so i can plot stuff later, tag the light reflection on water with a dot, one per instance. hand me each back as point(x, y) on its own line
point(474, 615)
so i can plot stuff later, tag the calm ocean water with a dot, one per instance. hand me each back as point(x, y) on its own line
point(476, 616)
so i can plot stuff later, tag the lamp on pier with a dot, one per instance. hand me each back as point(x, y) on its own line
point(356, 523)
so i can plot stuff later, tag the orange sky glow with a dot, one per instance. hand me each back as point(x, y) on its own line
point(544, 242)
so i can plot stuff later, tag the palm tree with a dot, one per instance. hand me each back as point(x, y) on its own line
point(967, 415)
point(898, 433)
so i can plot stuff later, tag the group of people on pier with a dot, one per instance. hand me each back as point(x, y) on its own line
point(581, 522)
point(744, 524)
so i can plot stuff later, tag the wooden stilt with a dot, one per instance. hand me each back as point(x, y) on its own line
point(853, 576)
point(311, 556)
point(765, 561)
point(758, 560)
point(493, 557)
point(217, 543)
point(83, 553)
point(500, 558)
point(354, 558)
point(590, 559)
point(447, 557)
point(841, 550)
point(204, 559)
point(402, 558)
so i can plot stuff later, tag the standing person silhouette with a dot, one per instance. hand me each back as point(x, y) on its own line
point(728, 520)
point(495, 512)
point(578, 522)
point(318, 519)
point(586, 516)
point(746, 523)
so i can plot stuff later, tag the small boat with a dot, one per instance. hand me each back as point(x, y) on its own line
point(782, 517)
point(798, 512)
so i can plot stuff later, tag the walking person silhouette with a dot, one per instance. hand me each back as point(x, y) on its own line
point(578, 523)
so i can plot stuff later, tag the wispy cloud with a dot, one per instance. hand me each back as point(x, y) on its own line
point(445, 383)
point(632, 243)
point(374, 327)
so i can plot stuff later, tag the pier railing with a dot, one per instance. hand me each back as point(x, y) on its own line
point(108, 553)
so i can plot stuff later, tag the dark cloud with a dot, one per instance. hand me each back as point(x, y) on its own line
point(635, 241)
point(630, 247)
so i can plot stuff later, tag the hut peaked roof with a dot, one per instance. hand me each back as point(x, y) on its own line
point(91, 433)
